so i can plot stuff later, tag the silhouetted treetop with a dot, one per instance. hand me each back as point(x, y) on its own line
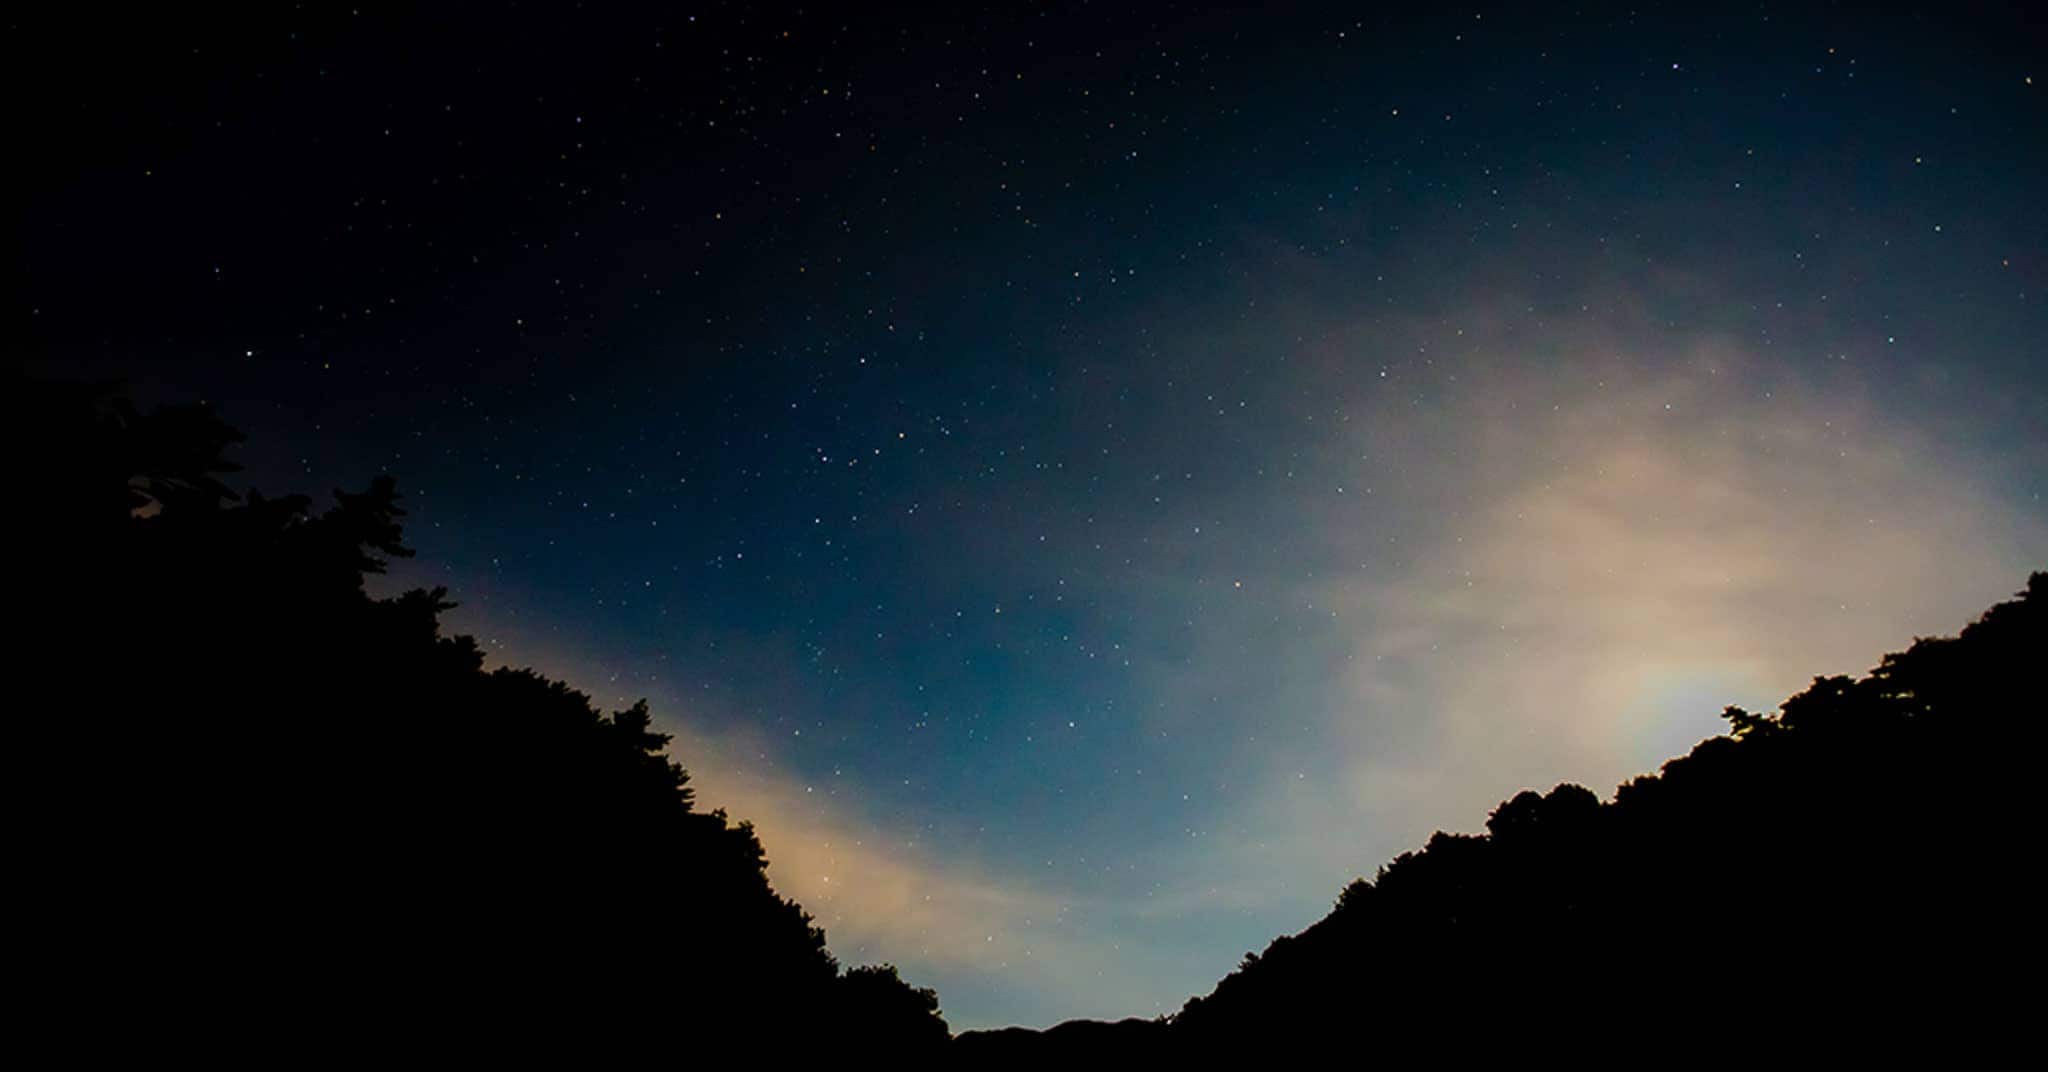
point(289, 810)
point(264, 807)
point(1848, 858)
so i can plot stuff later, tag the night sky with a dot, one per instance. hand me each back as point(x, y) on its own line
point(1088, 483)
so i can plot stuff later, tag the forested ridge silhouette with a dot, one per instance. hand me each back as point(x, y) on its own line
point(1851, 874)
point(274, 811)
point(268, 814)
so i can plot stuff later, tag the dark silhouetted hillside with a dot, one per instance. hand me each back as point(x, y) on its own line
point(268, 814)
point(1851, 875)
point(1132, 1039)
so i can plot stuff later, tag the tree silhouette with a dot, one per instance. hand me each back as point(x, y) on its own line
point(1847, 876)
point(277, 815)
point(264, 814)
point(1843, 870)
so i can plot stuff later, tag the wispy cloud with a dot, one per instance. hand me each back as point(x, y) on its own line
point(1554, 554)
point(1637, 543)
point(1534, 551)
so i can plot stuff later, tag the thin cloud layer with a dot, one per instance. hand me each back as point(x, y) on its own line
point(1634, 556)
point(1548, 551)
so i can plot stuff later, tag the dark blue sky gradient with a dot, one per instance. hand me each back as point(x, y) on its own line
point(1016, 432)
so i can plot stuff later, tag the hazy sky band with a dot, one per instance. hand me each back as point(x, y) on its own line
point(1089, 484)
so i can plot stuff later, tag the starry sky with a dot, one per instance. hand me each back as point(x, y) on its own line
point(1090, 480)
